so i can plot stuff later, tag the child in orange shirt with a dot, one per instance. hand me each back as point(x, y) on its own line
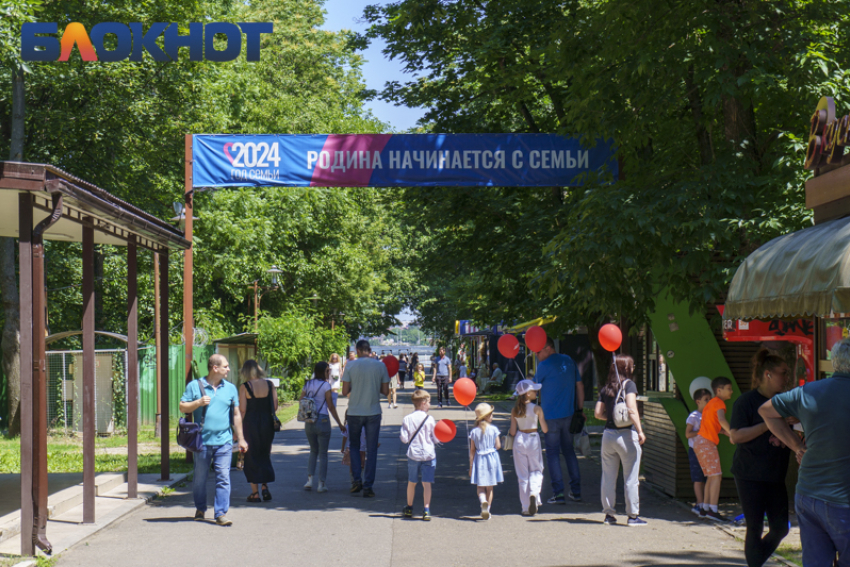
point(705, 445)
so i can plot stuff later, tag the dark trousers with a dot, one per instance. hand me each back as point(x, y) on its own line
point(442, 388)
point(757, 499)
point(401, 375)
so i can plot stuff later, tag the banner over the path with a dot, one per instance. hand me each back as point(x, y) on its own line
point(391, 160)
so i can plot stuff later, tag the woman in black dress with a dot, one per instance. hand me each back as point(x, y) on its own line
point(257, 403)
point(761, 461)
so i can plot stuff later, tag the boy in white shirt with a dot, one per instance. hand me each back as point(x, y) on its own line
point(701, 397)
point(418, 430)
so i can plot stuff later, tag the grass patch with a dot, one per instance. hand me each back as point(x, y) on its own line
point(65, 452)
point(287, 411)
point(791, 552)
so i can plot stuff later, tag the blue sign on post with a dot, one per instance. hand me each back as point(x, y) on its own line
point(395, 160)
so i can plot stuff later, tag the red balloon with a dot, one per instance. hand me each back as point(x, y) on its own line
point(535, 338)
point(508, 346)
point(391, 363)
point(445, 430)
point(610, 337)
point(464, 391)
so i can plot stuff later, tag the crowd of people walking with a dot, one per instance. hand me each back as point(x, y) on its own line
point(761, 426)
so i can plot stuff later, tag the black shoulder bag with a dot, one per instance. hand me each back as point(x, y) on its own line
point(189, 434)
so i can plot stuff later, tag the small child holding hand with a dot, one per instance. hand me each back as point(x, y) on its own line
point(485, 466)
point(701, 397)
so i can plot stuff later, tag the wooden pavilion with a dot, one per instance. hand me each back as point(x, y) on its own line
point(40, 202)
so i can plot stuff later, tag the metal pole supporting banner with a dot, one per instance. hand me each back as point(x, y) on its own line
point(132, 369)
point(25, 214)
point(89, 409)
point(157, 317)
point(188, 268)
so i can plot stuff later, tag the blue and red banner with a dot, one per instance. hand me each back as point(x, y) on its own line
point(394, 160)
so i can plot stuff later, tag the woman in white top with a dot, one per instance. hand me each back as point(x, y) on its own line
point(319, 432)
point(528, 456)
point(336, 366)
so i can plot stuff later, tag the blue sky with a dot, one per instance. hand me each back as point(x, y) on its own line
point(377, 70)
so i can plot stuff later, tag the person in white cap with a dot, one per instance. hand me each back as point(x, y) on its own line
point(528, 456)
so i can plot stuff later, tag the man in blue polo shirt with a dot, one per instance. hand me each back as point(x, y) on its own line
point(221, 400)
point(561, 396)
point(822, 501)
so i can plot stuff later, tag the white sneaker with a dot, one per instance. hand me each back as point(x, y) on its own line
point(322, 487)
point(309, 485)
point(485, 510)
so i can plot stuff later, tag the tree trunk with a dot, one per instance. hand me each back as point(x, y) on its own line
point(11, 338)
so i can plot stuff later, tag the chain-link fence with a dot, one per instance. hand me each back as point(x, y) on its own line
point(65, 389)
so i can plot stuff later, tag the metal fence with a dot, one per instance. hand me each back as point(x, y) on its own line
point(65, 388)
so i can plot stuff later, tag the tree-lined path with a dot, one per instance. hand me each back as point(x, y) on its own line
point(336, 528)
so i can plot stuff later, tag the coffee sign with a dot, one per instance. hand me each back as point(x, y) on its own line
point(828, 135)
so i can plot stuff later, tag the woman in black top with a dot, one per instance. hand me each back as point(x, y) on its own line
point(257, 403)
point(761, 461)
point(620, 444)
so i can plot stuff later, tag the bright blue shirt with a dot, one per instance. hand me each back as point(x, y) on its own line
point(559, 375)
point(217, 431)
point(821, 407)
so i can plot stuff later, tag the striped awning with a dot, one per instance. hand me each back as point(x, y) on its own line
point(802, 274)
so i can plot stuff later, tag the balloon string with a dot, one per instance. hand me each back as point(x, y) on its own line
point(518, 368)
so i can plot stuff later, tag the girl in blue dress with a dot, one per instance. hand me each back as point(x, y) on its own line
point(485, 467)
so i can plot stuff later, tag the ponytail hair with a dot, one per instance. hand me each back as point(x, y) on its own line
point(519, 407)
point(764, 361)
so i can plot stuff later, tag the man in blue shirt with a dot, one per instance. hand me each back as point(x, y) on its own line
point(822, 501)
point(561, 396)
point(221, 400)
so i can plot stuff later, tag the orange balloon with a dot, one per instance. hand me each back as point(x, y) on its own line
point(445, 430)
point(464, 391)
point(610, 337)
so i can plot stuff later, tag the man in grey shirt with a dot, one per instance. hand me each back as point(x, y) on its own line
point(442, 375)
point(364, 381)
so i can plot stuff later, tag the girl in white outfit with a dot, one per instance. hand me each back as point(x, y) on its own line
point(528, 456)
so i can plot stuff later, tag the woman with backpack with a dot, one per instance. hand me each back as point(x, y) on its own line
point(621, 440)
point(315, 403)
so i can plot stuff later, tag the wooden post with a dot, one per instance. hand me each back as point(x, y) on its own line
point(39, 392)
point(158, 344)
point(89, 408)
point(25, 214)
point(132, 369)
point(163, 376)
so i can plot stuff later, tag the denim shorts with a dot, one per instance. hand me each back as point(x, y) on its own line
point(424, 468)
point(696, 470)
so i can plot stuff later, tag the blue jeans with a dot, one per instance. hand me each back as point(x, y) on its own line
point(356, 423)
point(220, 458)
point(319, 437)
point(824, 531)
point(560, 440)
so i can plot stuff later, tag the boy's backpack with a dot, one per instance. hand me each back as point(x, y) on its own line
point(308, 409)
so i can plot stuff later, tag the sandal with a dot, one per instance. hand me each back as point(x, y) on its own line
point(255, 497)
point(266, 494)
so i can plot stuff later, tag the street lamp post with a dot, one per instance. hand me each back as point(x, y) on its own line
point(274, 271)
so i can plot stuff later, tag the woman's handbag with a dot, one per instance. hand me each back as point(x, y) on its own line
point(188, 433)
point(508, 445)
point(622, 417)
point(276, 424)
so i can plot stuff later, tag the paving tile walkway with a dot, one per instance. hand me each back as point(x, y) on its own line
point(336, 528)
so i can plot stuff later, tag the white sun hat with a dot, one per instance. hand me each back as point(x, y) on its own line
point(524, 386)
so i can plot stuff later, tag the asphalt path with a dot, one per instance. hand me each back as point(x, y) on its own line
point(336, 528)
